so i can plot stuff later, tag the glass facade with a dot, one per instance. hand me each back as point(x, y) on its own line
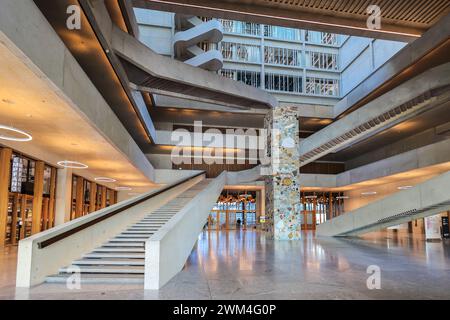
point(250, 78)
point(282, 33)
point(320, 86)
point(283, 83)
point(241, 52)
point(311, 56)
point(322, 60)
point(282, 56)
point(322, 38)
point(240, 27)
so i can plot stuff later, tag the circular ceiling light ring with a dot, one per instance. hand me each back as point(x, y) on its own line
point(25, 136)
point(105, 179)
point(72, 164)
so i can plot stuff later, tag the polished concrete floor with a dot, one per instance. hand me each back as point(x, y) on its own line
point(246, 265)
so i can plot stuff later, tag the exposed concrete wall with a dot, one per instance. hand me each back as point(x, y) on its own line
point(417, 86)
point(164, 176)
point(156, 30)
point(161, 161)
point(357, 200)
point(42, 49)
point(400, 61)
point(425, 199)
point(423, 157)
point(360, 57)
point(417, 141)
point(63, 203)
point(167, 250)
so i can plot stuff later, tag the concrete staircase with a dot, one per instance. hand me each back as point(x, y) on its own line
point(194, 32)
point(122, 258)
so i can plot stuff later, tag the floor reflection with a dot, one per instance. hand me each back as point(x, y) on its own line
point(246, 265)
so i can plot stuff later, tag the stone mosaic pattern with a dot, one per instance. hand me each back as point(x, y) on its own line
point(283, 214)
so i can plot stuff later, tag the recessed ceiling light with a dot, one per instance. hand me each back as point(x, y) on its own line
point(105, 179)
point(72, 164)
point(7, 101)
point(370, 193)
point(123, 189)
point(22, 136)
point(404, 187)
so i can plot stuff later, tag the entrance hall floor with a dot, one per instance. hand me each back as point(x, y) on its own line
point(245, 265)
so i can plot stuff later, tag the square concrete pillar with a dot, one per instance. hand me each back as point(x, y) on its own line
point(282, 187)
point(63, 203)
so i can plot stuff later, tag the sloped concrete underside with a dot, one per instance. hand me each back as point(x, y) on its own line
point(426, 199)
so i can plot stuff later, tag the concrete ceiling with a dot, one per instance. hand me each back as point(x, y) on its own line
point(30, 102)
point(411, 177)
point(209, 118)
point(402, 20)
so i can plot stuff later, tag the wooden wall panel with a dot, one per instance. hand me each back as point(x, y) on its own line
point(5, 170)
point(38, 196)
point(51, 209)
point(92, 197)
point(79, 196)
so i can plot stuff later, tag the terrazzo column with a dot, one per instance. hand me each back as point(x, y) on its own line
point(283, 216)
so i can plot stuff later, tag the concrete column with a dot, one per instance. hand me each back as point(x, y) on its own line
point(282, 187)
point(63, 196)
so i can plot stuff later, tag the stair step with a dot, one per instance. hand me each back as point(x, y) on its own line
point(109, 262)
point(124, 244)
point(140, 231)
point(145, 226)
point(104, 270)
point(118, 249)
point(117, 255)
point(135, 240)
point(99, 278)
point(133, 236)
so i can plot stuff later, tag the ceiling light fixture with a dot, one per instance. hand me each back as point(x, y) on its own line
point(134, 194)
point(23, 136)
point(404, 187)
point(123, 189)
point(342, 197)
point(105, 179)
point(370, 193)
point(72, 164)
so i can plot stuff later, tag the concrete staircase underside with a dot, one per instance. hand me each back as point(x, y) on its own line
point(186, 43)
point(122, 258)
point(425, 199)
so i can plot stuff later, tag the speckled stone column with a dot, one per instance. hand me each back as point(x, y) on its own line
point(283, 216)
